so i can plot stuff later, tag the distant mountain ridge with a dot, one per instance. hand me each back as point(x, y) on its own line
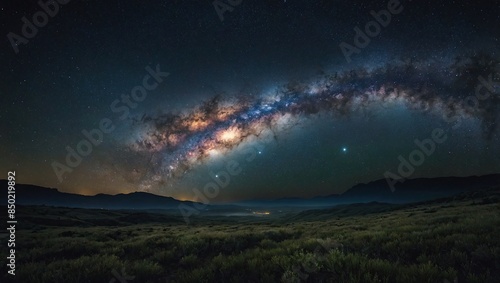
point(35, 195)
point(412, 190)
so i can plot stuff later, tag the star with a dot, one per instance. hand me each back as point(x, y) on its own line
point(344, 149)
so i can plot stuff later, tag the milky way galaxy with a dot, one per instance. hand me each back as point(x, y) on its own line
point(178, 142)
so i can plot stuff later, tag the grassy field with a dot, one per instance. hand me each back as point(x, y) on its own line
point(451, 240)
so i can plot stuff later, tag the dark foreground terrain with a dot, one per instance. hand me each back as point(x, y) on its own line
point(448, 240)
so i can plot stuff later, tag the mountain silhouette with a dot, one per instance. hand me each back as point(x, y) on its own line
point(412, 190)
point(35, 195)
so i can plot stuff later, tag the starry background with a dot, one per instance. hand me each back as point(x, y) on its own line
point(66, 77)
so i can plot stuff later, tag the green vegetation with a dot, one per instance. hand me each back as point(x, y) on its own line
point(439, 241)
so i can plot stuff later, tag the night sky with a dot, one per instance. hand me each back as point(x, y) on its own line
point(265, 96)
